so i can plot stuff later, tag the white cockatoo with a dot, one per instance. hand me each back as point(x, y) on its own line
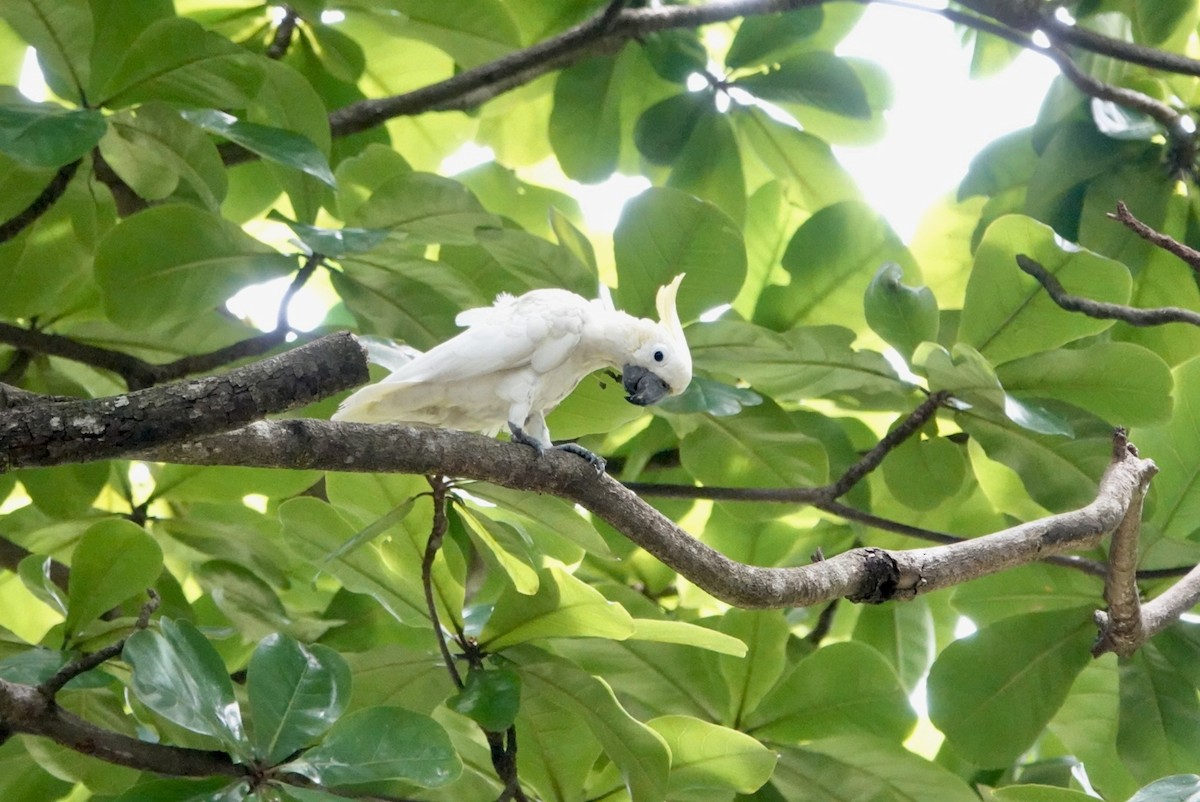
point(520, 357)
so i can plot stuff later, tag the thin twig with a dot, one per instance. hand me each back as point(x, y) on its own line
point(41, 204)
point(70, 671)
point(1103, 310)
point(436, 534)
point(282, 39)
point(1189, 255)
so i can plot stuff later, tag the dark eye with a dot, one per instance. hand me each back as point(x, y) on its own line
point(658, 356)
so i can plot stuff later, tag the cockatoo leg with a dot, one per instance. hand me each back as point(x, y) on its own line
point(537, 423)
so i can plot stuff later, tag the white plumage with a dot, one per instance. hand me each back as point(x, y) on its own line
point(520, 357)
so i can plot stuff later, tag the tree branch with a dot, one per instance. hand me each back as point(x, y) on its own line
point(41, 204)
point(23, 709)
point(104, 428)
point(1189, 255)
point(1101, 309)
point(1121, 629)
point(282, 38)
point(867, 574)
point(70, 671)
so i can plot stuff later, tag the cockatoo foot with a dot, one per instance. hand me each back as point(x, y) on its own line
point(520, 436)
point(595, 460)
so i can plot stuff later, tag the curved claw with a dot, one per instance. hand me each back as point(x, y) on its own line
point(519, 436)
point(595, 460)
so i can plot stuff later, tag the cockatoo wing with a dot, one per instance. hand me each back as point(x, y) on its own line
point(538, 329)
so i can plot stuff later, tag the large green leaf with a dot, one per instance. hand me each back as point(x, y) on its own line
point(1180, 788)
point(854, 768)
point(424, 208)
point(640, 754)
point(490, 698)
point(1176, 489)
point(665, 232)
point(903, 633)
point(815, 78)
point(1125, 384)
point(990, 717)
point(62, 34)
point(115, 559)
point(179, 675)
point(1159, 713)
point(1007, 314)
point(471, 31)
point(585, 124)
point(750, 676)
point(707, 756)
point(563, 607)
point(277, 144)
point(681, 632)
point(904, 316)
point(843, 688)
point(157, 154)
point(48, 135)
point(831, 260)
point(178, 61)
point(295, 693)
point(767, 38)
point(709, 167)
point(504, 546)
point(545, 514)
point(208, 261)
point(378, 744)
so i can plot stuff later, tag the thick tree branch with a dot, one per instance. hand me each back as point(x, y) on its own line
point(1189, 255)
point(1101, 309)
point(867, 574)
point(24, 709)
point(1121, 628)
point(104, 428)
point(41, 204)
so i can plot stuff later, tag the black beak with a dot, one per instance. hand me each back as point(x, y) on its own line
point(642, 386)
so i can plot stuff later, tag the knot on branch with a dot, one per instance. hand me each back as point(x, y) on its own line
point(880, 580)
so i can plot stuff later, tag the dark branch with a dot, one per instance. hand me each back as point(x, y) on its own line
point(103, 428)
point(1101, 309)
point(70, 671)
point(41, 204)
point(1189, 255)
point(282, 39)
point(439, 487)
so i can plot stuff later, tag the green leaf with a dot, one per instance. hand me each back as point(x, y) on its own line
point(276, 144)
point(208, 261)
point(990, 717)
point(664, 128)
point(1180, 788)
point(62, 34)
point(815, 78)
point(710, 167)
point(1123, 383)
point(1176, 489)
point(853, 768)
point(539, 513)
point(1156, 21)
point(425, 208)
point(563, 607)
point(158, 154)
point(903, 633)
point(38, 665)
point(831, 260)
point(963, 371)
point(804, 164)
point(378, 744)
point(470, 31)
point(806, 362)
point(177, 61)
point(760, 447)
point(640, 754)
point(1159, 713)
point(1039, 793)
point(749, 677)
point(115, 559)
point(295, 694)
point(675, 53)
point(1007, 314)
point(46, 134)
point(903, 316)
point(706, 756)
point(179, 675)
point(685, 634)
point(664, 232)
point(923, 473)
point(585, 125)
point(34, 571)
point(389, 298)
point(711, 397)
point(596, 406)
point(768, 38)
point(844, 688)
point(504, 546)
point(206, 790)
point(489, 698)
